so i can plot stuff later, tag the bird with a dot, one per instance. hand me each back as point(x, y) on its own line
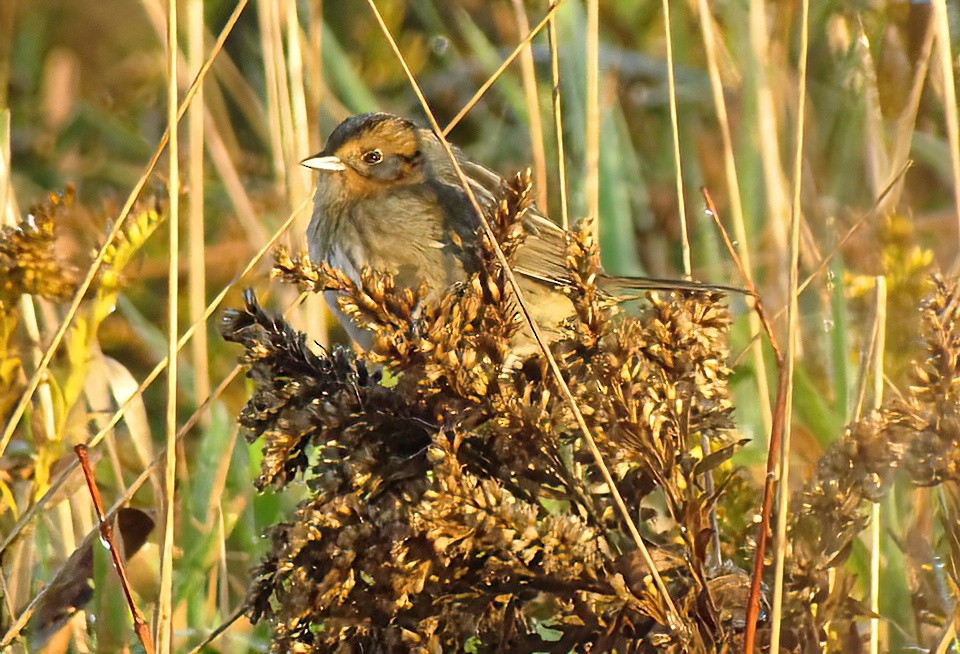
point(388, 198)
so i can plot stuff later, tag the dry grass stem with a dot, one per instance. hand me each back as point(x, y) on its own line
point(941, 21)
point(591, 171)
point(736, 207)
point(529, 75)
point(558, 115)
point(164, 633)
point(745, 276)
point(790, 351)
point(876, 360)
point(196, 241)
point(675, 132)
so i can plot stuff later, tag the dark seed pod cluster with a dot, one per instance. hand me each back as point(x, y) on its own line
point(457, 507)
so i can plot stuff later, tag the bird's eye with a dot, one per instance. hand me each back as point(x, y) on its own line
point(372, 157)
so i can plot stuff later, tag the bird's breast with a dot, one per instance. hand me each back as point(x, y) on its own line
point(403, 231)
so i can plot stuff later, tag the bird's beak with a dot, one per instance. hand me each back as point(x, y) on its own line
point(327, 163)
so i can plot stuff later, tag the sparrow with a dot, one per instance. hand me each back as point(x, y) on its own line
point(388, 197)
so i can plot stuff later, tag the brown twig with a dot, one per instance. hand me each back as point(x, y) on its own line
point(822, 266)
point(106, 533)
point(747, 279)
point(773, 456)
point(776, 433)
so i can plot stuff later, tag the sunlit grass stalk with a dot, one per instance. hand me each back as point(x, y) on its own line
point(6, 213)
point(300, 177)
point(880, 331)
point(221, 629)
point(219, 153)
point(28, 318)
point(736, 204)
point(223, 597)
point(768, 138)
point(270, 72)
point(949, 641)
point(111, 236)
point(78, 623)
point(287, 134)
point(20, 582)
point(197, 275)
point(164, 635)
point(534, 123)
point(219, 486)
point(949, 98)
point(558, 114)
point(7, 13)
point(315, 60)
point(673, 618)
point(236, 190)
point(675, 134)
point(751, 287)
point(298, 103)
point(715, 554)
point(907, 120)
point(248, 103)
point(790, 352)
point(28, 314)
point(591, 184)
point(877, 153)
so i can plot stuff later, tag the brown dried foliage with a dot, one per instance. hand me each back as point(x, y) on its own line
point(917, 435)
point(458, 508)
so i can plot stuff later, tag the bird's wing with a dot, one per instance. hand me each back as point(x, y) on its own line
point(630, 288)
point(542, 256)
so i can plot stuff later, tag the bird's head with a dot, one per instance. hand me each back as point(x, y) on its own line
point(370, 150)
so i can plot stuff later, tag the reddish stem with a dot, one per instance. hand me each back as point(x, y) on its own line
point(106, 532)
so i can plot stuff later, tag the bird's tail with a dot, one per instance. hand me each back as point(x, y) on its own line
point(628, 287)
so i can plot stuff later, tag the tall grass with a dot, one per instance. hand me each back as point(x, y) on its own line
point(799, 151)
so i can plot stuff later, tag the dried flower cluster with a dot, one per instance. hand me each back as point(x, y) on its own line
point(456, 507)
point(29, 265)
point(918, 434)
point(28, 261)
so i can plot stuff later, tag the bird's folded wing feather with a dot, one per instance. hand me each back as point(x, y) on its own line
point(542, 257)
